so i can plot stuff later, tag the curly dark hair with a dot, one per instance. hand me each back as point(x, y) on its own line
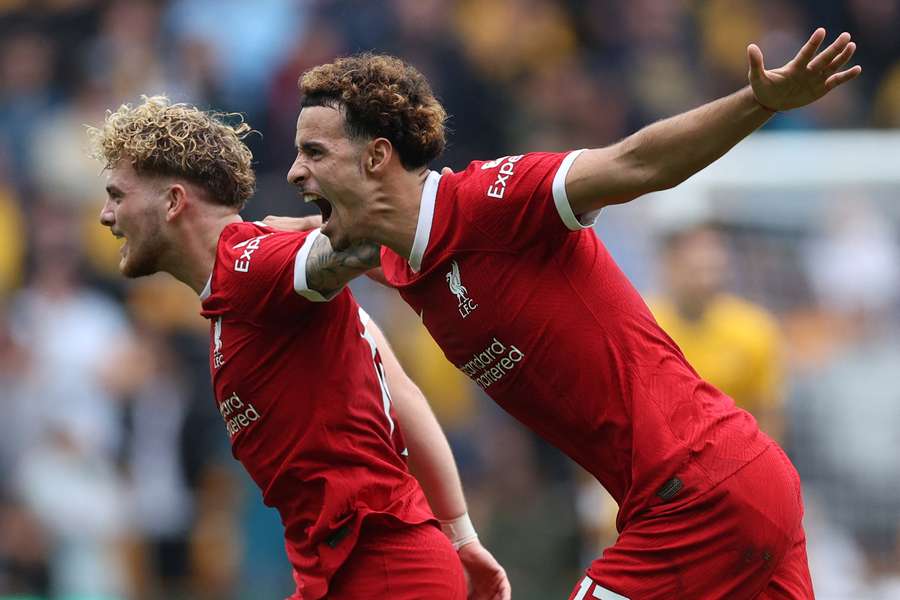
point(161, 138)
point(381, 96)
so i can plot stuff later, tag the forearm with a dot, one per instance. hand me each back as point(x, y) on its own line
point(676, 148)
point(431, 462)
point(328, 271)
point(664, 154)
point(430, 458)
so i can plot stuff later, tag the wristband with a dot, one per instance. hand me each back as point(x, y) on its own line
point(459, 531)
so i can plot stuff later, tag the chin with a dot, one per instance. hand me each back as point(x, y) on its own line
point(133, 269)
point(339, 240)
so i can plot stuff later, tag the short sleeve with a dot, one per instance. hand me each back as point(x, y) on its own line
point(264, 277)
point(522, 199)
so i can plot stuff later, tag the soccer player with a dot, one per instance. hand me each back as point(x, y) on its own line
point(302, 385)
point(502, 266)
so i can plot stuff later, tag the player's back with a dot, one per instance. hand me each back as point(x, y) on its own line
point(299, 385)
point(534, 310)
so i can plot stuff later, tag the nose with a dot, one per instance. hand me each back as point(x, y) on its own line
point(107, 216)
point(298, 173)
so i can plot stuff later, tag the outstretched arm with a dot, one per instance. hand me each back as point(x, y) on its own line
point(328, 270)
point(431, 461)
point(666, 153)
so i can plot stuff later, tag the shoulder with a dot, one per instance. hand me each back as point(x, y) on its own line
point(493, 179)
point(252, 255)
point(243, 245)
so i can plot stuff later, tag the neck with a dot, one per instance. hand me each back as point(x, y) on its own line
point(197, 249)
point(394, 213)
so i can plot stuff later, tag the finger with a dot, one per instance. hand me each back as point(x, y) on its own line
point(810, 47)
point(842, 59)
point(842, 77)
point(824, 58)
point(446, 171)
point(757, 64)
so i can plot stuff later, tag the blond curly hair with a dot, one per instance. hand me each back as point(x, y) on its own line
point(381, 96)
point(161, 138)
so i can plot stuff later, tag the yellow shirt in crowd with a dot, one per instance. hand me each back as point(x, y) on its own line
point(734, 346)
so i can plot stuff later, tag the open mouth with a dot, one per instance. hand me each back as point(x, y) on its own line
point(320, 201)
point(121, 236)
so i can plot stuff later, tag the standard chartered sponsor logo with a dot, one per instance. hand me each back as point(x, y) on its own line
point(237, 414)
point(492, 364)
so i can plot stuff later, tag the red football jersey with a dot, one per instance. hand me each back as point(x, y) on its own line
point(301, 390)
point(525, 300)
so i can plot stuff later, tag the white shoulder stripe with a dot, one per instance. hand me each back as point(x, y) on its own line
point(561, 199)
point(300, 285)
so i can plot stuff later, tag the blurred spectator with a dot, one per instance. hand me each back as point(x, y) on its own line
point(24, 553)
point(887, 99)
point(854, 265)
point(74, 489)
point(847, 412)
point(69, 476)
point(248, 39)
point(12, 242)
point(507, 38)
point(57, 163)
point(731, 342)
point(26, 94)
point(528, 524)
point(163, 507)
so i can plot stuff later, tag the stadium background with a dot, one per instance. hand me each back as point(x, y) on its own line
point(115, 476)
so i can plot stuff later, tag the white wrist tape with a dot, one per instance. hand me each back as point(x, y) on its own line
point(460, 531)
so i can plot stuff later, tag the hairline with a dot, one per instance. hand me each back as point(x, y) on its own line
point(160, 179)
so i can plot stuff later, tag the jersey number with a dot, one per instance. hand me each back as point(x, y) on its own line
point(379, 368)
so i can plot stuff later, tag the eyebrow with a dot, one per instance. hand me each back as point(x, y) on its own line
point(113, 190)
point(311, 145)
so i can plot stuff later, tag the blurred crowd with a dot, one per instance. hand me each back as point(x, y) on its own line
point(116, 480)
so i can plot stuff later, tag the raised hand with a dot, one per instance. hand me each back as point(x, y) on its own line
point(807, 77)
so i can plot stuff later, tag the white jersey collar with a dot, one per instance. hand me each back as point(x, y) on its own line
point(426, 218)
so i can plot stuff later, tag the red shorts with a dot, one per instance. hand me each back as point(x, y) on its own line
point(742, 539)
point(408, 563)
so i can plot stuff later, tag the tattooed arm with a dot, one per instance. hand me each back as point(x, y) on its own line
point(328, 271)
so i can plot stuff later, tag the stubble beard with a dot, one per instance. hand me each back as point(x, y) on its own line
point(144, 258)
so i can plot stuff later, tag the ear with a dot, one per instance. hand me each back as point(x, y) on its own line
point(378, 155)
point(176, 201)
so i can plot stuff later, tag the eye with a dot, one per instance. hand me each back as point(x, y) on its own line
point(312, 152)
